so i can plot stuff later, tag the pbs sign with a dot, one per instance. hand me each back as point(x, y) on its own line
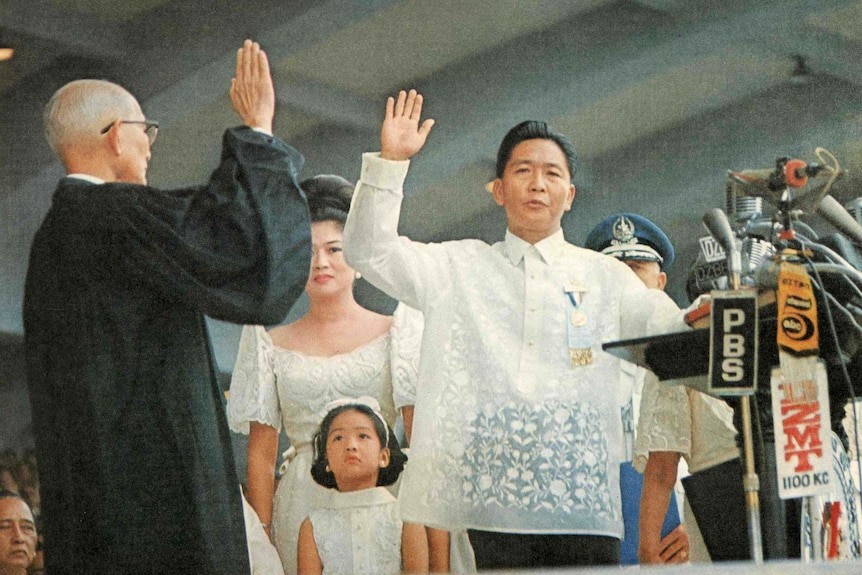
point(733, 343)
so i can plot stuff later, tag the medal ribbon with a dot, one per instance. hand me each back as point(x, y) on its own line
point(578, 333)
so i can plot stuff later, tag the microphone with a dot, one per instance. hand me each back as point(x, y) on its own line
point(718, 225)
point(834, 213)
point(788, 172)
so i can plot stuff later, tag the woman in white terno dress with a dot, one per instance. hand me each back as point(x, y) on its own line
point(286, 376)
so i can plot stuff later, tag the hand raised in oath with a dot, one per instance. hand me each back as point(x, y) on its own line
point(251, 91)
point(402, 136)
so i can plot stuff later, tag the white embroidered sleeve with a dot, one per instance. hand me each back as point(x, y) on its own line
point(409, 271)
point(407, 327)
point(253, 395)
point(713, 433)
point(665, 421)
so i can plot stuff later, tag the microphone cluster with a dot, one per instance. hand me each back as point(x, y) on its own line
point(752, 239)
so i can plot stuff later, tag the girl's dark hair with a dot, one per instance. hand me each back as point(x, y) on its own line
point(387, 476)
point(534, 130)
point(328, 198)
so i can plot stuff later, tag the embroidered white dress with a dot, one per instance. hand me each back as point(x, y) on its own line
point(359, 533)
point(279, 387)
point(508, 435)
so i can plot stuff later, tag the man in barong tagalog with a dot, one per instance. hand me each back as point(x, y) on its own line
point(517, 432)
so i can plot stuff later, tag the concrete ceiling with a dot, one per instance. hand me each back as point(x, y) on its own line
point(661, 97)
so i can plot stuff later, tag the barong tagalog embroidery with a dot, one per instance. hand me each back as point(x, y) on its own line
point(578, 326)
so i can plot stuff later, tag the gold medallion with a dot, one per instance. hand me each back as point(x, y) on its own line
point(581, 356)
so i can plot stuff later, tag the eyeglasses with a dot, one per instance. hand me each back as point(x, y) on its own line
point(151, 128)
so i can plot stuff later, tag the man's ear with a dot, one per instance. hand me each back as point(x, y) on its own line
point(570, 197)
point(385, 455)
point(662, 280)
point(497, 190)
point(113, 136)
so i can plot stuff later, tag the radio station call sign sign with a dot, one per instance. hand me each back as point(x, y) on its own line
point(733, 341)
point(803, 445)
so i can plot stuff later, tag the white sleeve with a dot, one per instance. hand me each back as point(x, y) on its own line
point(713, 433)
point(403, 269)
point(665, 421)
point(253, 395)
point(644, 311)
point(262, 555)
point(407, 328)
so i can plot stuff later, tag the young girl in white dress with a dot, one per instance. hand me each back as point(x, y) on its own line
point(359, 531)
point(285, 377)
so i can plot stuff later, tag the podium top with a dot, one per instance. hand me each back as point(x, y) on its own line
point(670, 356)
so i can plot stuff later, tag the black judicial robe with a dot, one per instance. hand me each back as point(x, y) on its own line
point(137, 473)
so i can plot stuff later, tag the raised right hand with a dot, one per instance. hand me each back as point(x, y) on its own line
point(402, 136)
point(251, 91)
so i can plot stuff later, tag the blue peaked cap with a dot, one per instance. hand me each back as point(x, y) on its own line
point(631, 237)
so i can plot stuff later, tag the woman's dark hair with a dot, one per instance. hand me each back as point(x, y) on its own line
point(387, 476)
point(534, 130)
point(328, 198)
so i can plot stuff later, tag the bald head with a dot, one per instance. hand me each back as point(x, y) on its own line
point(75, 118)
point(78, 111)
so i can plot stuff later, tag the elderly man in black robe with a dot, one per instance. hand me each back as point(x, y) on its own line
point(133, 447)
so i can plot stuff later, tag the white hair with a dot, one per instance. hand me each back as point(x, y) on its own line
point(80, 109)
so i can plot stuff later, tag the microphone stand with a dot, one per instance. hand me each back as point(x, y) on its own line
point(750, 481)
point(719, 227)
